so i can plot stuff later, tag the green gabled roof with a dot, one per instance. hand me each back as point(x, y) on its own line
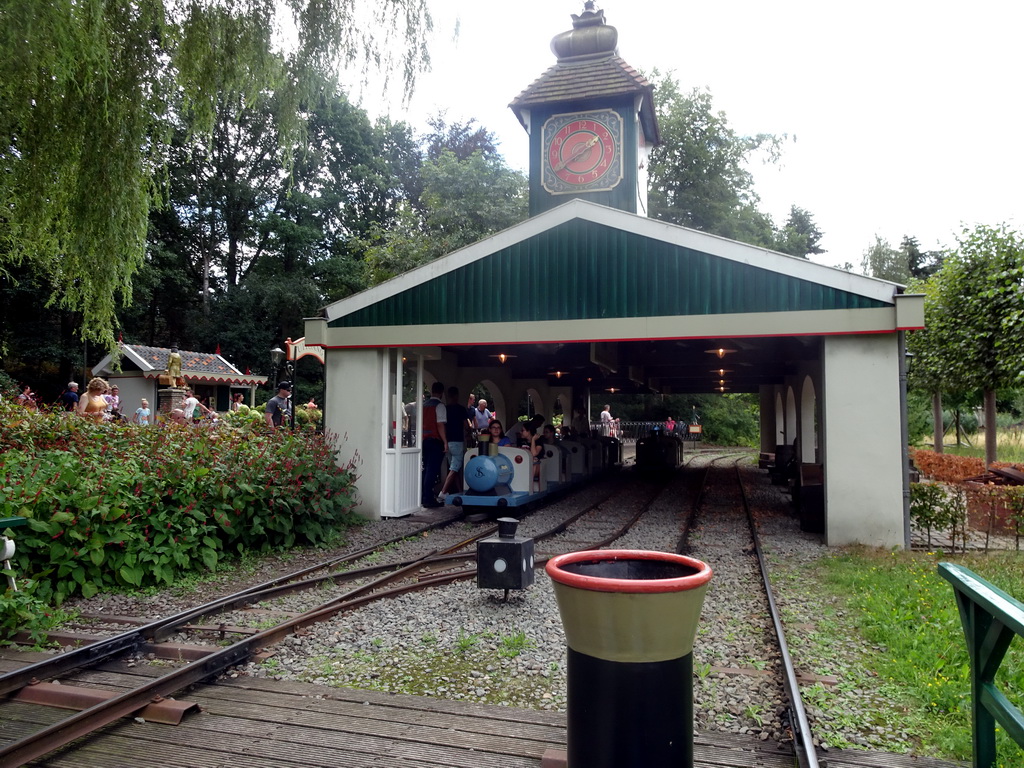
point(582, 269)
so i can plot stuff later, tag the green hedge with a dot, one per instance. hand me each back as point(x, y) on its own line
point(121, 506)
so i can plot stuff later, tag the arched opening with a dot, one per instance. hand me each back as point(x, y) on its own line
point(808, 422)
point(791, 433)
point(780, 421)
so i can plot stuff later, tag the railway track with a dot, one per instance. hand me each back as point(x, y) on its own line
point(598, 523)
point(722, 531)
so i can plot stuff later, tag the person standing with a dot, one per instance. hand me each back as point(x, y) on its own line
point(191, 403)
point(26, 398)
point(670, 426)
point(279, 407)
point(92, 404)
point(606, 421)
point(69, 397)
point(456, 424)
point(580, 424)
point(481, 416)
point(434, 443)
point(142, 414)
point(113, 398)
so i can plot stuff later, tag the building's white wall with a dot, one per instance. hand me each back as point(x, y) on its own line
point(355, 414)
point(132, 387)
point(862, 441)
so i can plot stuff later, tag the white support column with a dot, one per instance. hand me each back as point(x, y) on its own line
point(862, 444)
point(355, 413)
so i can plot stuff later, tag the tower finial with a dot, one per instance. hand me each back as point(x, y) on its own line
point(589, 36)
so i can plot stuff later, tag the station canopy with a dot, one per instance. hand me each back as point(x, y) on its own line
point(585, 295)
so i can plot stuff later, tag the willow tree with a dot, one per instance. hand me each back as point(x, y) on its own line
point(84, 89)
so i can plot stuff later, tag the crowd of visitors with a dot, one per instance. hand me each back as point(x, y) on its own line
point(101, 402)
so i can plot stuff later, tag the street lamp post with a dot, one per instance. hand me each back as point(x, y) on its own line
point(277, 358)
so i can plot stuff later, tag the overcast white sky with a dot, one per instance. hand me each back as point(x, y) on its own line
point(906, 114)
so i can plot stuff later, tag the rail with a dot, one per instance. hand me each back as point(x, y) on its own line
point(806, 755)
point(990, 619)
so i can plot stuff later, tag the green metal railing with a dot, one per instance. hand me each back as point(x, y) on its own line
point(990, 619)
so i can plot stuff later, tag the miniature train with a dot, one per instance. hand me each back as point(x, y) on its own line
point(503, 476)
point(659, 452)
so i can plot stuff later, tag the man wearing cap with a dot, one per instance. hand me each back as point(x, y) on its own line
point(69, 397)
point(279, 407)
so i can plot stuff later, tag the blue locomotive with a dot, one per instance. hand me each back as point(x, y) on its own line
point(504, 476)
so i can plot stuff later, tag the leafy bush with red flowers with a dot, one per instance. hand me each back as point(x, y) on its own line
point(122, 506)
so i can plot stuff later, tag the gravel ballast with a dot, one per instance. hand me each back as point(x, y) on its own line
point(462, 643)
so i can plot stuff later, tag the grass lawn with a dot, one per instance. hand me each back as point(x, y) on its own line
point(900, 604)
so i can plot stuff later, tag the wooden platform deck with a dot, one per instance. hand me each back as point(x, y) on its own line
point(257, 723)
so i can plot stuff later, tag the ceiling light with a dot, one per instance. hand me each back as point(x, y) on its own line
point(721, 371)
point(503, 357)
point(720, 351)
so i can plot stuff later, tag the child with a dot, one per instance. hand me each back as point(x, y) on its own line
point(142, 414)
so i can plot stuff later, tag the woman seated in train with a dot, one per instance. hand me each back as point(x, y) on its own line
point(534, 443)
point(549, 435)
point(497, 433)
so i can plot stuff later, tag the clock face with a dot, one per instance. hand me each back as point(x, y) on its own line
point(582, 152)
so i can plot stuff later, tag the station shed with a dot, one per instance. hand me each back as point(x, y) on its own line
point(590, 296)
point(137, 368)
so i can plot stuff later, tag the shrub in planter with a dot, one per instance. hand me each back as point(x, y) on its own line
point(935, 506)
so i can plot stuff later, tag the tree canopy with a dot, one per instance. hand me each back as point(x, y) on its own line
point(85, 89)
point(883, 261)
point(466, 192)
point(700, 175)
point(900, 265)
point(974, 320)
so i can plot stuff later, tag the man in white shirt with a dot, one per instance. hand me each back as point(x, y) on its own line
point(481, 416)
point(191, 403)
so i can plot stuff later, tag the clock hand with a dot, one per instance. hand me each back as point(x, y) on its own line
point(578, 151)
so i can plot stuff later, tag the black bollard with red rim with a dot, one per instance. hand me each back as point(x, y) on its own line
point(630, 618)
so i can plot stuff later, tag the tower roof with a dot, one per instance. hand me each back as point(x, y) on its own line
point(589, 69)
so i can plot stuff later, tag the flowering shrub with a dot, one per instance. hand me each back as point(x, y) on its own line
point(115, 505)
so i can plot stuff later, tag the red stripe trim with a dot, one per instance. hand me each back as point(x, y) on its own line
point(555, 569)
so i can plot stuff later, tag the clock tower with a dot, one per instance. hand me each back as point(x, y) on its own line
point(591, 122)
